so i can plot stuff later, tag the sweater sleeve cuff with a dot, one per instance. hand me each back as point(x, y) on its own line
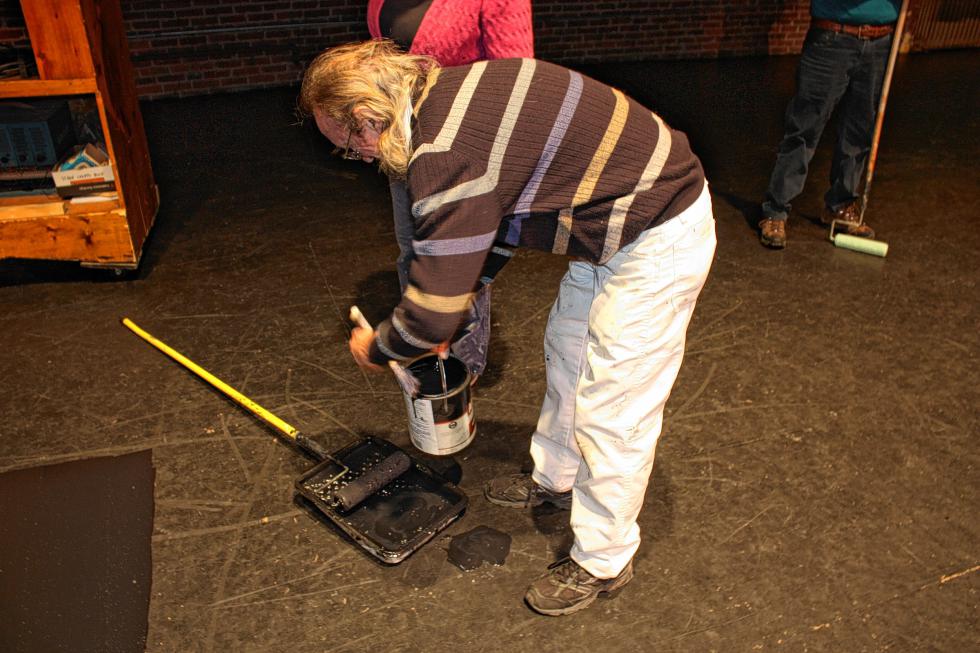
point(387, 345)
point(375, 355)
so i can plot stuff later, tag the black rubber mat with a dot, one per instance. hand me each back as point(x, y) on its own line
point(75, 555)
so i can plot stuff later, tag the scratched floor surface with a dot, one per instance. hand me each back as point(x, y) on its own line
point(816, 486)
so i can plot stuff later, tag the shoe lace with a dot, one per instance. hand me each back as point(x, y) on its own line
point(566, 571)
point(531, 488)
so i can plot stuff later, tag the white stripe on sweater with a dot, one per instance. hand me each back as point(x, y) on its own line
point(488, 181)
point(461, 103)
point(617, 217)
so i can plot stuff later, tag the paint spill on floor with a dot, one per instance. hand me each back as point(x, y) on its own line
point(477, 546)
point(75, 555)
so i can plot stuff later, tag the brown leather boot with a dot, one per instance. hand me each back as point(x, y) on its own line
point(847, 218)
point(772, 233)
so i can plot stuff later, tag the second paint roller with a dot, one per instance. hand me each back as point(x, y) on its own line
point(867, 245)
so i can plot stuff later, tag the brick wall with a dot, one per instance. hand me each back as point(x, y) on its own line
point(189, 47)
point(195, 46)
point(630, 30)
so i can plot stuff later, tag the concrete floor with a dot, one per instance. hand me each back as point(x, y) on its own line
point(816, 486)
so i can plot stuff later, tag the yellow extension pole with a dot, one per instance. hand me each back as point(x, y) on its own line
point(243, 401)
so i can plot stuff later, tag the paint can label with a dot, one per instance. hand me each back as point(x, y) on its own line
point(437, 433)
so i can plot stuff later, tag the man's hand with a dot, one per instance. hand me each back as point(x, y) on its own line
point(360, 345)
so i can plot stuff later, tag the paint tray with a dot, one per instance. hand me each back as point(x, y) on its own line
point(398, 519)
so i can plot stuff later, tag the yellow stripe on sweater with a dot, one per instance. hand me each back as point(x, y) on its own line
point(617, 217)
point(438, 303)
point(591, 177)
point(563, 232)
point(601, 157)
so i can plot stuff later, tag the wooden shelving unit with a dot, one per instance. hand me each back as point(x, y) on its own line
point(81, 49)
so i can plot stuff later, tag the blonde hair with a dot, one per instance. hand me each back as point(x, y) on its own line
point(378, 79)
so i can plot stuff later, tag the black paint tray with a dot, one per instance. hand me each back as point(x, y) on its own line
point(396, 520)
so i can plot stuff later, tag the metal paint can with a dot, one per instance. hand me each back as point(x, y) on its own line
point(440, 423)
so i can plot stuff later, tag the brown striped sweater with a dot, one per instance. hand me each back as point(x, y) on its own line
point(519, 152)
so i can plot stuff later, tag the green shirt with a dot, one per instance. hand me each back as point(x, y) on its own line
point(856, 12)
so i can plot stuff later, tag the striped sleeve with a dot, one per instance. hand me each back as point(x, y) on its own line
point(454, 233)
point(497, 258)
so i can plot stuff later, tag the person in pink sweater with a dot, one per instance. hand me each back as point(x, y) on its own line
point(455, 33)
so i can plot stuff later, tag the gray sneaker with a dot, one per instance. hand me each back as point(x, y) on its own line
point(520, 491)
point(568, 588)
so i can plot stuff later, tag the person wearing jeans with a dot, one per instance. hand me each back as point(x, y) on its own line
point(842, 65)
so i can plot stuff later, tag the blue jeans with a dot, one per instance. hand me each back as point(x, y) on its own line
point(834, 69)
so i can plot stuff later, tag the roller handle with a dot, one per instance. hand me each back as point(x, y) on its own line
point(311, 447)
point(262, 413)
point(373, 479)
point(886, 84)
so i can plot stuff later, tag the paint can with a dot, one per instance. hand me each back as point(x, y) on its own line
point(440, 423)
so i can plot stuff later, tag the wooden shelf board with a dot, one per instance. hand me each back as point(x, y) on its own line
point(21, 88)
point(31, 207)
point(55, 231)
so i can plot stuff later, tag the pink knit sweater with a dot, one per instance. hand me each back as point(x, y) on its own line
point(459, 32)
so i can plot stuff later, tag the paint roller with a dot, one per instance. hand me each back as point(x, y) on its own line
point(351, 488)
point(855, 243)
point(371, 480)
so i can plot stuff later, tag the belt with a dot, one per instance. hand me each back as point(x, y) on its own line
point(861, 31)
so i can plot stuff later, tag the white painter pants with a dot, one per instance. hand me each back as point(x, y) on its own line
point(613, 348)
